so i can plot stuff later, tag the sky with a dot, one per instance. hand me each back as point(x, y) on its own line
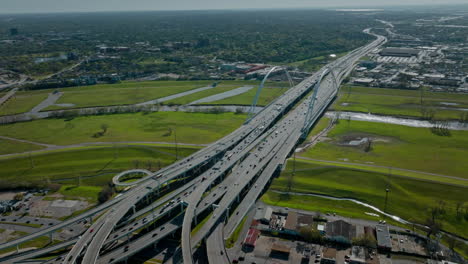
point(45, 6)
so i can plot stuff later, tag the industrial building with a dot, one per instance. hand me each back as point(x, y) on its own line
point(384, 242)
point(328, 256)
point(251, 238)
point(340, 231)
point(399, 52)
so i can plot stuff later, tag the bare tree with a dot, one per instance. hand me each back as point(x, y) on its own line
point(104, 128)
point(458, 208)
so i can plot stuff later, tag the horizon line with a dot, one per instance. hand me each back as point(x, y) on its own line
point(331, 7)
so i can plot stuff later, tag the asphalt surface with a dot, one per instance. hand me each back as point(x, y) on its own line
point(174, 96)
point(224, 95)
point(8, 96)
point(50, 100)
point(217, 253)
point(292, 132)
point(249, 155)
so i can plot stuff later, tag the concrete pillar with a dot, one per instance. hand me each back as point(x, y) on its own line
point(17, 248)
point(134, 209)
point(91, 220)
point(51, 237)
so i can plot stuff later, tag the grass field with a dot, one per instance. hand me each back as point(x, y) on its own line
point(190, 128)
point(408, 198)
point(74, 192)
point(399, 102)
point(235, 235)
point(397, 146)
point(267, 95)
point(318, 127)
point(10, 146)
point(96, 166)
point(132, 92)
point(316, 204)
point(123, 93)
point(199, 95)
point(23, 102)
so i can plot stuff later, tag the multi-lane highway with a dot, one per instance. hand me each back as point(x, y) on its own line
point(225, 177)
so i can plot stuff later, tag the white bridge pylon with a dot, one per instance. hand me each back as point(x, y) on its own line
point(251, 112)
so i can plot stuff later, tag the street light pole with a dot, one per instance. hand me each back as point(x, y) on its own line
point(175, 140)
point(386, 199)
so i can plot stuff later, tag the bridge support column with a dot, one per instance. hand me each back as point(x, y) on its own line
point(51, 237)
point(134, 209)
point(17, 248)
point(91, 220)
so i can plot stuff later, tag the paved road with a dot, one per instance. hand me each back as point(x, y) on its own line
point(290, 135)
point(217, 253)
point(7, 96)
point(240, 141)
point(50, 100)
point(108, 144)
point(116, 178)
point(390, 168)
point(224, 95)
point(124, 108)
point(174, 96)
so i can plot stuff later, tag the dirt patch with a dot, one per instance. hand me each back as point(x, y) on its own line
point(363, 141)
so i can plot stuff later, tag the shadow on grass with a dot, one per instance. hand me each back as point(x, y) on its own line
point(71, 188)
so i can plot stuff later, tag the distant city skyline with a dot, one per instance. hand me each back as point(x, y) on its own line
point(44, 6)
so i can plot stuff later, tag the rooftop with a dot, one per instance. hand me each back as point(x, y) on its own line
point(280, 248)
point(251, 237)
point(291, 221)
point(383, 236)
point(329, 253)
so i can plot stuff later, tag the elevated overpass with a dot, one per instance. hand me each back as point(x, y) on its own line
point(230, 173)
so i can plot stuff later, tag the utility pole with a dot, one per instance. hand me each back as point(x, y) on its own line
point(294, 162)
point(386, 199)
point(31, 160)
point(175, 142)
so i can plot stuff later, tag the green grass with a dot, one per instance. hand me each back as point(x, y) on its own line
point(73, 192)
point(200, 224)
point(315, 63)
point(199, 128)
point(123, 93)
point(21, 224)
point(399, 102)
point(10, 146)
point(96, 166)
point(319, 126)
point(199, 95)
point(235, 235)
point(316, 204)
point(39, 242)
point(397, 146)
point(408, 198)
point(267, 95)
point(23, 102)
point(394, 171)
point(132, 92)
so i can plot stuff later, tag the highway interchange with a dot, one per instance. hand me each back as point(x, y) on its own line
point(221, 181)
